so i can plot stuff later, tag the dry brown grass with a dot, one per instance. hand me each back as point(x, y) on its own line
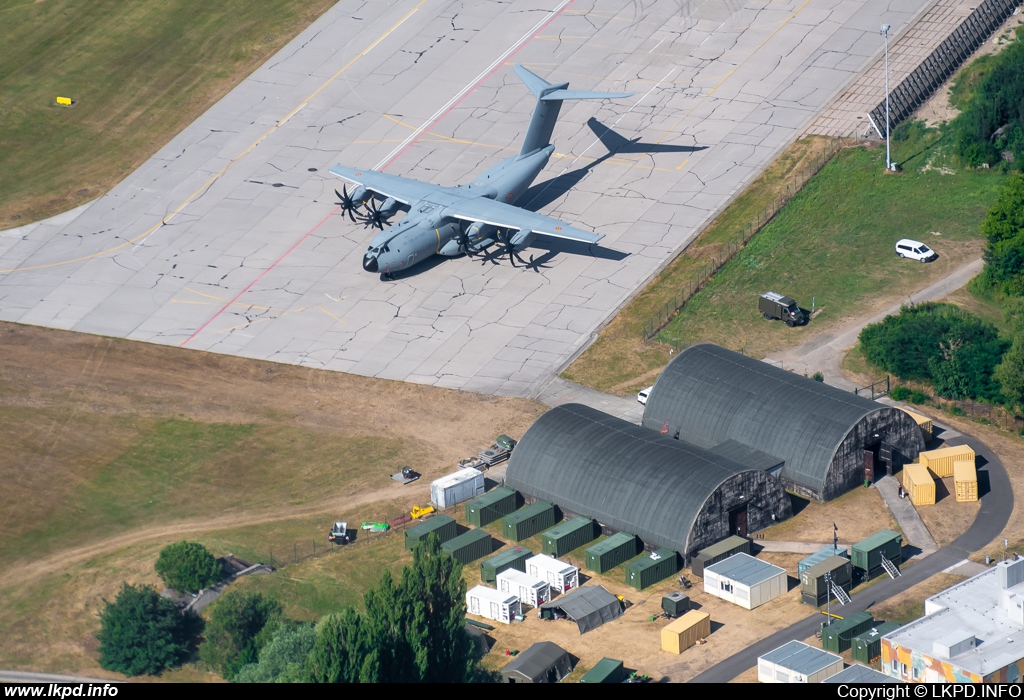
point(857, 513)
point(909, 604)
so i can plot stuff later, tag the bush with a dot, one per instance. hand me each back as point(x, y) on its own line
point(187, 566)
point(899, 393)
point(918, 397)
point(240, 625)
point(283, 659)
point(143, 633)
point(818, 377)
point(955, 410)
point(955, 351)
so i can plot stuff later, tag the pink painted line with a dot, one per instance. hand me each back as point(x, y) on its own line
point(389, 162)
point(261, 275)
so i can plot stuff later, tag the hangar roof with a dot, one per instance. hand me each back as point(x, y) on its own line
point(712, 395)
point(625, 476)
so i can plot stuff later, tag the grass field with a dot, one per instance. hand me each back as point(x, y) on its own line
point(138, 71)
point(833, 244)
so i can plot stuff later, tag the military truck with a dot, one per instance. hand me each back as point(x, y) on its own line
point(776, 306)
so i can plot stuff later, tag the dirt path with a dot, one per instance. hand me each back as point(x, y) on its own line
point(824, 352)
point(19, 573)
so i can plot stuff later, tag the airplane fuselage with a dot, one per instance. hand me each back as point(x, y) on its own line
point(428, 230)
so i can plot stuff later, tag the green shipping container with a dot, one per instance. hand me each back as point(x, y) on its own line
point(717, 552)
point(605, 671)
point(814, 590)
point(837, 636)
point(867, 646)
point(530, 520)
point(485, 509)
point(469, 546)
point(567, 536)
point(441, 524)
point(867, 554)
point(651, 568)
point(514, 558)
point(609, 553)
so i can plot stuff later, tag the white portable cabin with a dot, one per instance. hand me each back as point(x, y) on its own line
point(745, 580)
point(530, 589)
point(796, 662)
point(492, 604)
point(456, 488)
point(559, 575)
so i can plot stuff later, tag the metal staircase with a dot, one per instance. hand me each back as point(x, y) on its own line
point(890, 568)
point(840, 594)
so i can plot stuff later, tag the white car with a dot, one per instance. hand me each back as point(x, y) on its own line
point(915, 250)
point(643, 395)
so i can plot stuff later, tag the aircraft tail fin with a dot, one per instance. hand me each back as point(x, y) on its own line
point(549, 102)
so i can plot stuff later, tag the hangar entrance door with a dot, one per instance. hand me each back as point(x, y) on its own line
point(738, 522)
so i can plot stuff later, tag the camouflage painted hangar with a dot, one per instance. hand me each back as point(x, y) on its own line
point(668, 492)
point(821, 436)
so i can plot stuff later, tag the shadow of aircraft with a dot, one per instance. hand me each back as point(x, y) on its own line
point(616, 143)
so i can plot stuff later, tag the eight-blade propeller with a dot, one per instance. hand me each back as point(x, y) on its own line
point(373, 215)
point(346, 203)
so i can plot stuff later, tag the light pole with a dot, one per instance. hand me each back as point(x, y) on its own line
point(888, 160)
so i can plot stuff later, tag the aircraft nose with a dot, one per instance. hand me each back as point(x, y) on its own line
point(369, 263)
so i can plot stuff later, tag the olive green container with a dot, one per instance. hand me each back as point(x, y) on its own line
point(610, 552)
point(649, 569)
point(837, 636)
point(528, 521)
point(719, 551)
point(514, 558)
point(485, 509)
point(813, 588)
point(867, 554)
point(469, 546)
point(567, 536)
point(605, 671)
point(867, 646)
point(441, 524)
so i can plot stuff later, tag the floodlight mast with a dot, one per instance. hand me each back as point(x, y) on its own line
point(888, 159)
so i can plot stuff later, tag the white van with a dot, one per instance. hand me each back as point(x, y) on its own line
point(915, 250)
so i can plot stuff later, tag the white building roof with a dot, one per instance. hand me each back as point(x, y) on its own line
point(745, 569)
point(456, 478)
point(518, 577)
point(547, 563)
point(800, 658)
point(491, 595)
point(976, 625)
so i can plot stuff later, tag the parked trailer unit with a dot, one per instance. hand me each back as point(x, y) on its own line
point(441, 524)
point(820, 556)
point(675, 604)
point(605, 671)
point(836, 637)
point(469, 546)
point(561, 576)
point(867, 646)
point(485, 509)
point(610, 552)
point(796, 662)
point(745, 580)
point(719, 551)
point(456, 488)
point(923, 422)
point(919, 485)
point(965, 481)
point(679, 635)
point(492, 604)
point(528, 521)
point(530, 589)
point(514, 558)
point(940, 461)
point(813, 588)
point(867, 554)
point(649, 569)
point(567, 536)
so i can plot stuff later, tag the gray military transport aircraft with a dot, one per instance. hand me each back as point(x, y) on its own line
point(466, 219)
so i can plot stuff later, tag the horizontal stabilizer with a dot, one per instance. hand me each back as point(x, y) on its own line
point(584, 95)
point(533, 81)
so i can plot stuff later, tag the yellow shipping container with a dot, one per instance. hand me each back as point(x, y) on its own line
point(919, 485)
point(684, 632)
point(940, 461)
point(965, 479)
point(923, 422)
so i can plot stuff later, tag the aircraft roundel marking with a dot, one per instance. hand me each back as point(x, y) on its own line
point(358, 174)
point(558, 228)
point(510, 195)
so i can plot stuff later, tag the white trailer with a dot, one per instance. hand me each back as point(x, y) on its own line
point(560, 576)
point(492, 604)
point(530, 589)
point(456, 488)
point(745, 580)
point(796, 662)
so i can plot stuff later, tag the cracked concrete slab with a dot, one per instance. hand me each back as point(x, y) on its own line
point(228, 240)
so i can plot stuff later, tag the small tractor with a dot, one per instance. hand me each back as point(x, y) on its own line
point(417, 512)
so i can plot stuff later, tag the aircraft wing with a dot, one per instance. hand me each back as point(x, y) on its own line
point(404, 189)
point(505, 215)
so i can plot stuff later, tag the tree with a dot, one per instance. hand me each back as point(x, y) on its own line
point(1004, 229)
point(283, 659)
point(240, 624)
point(1010, 372)
point(143, 633)
point(187, 566)
point(341, 652)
